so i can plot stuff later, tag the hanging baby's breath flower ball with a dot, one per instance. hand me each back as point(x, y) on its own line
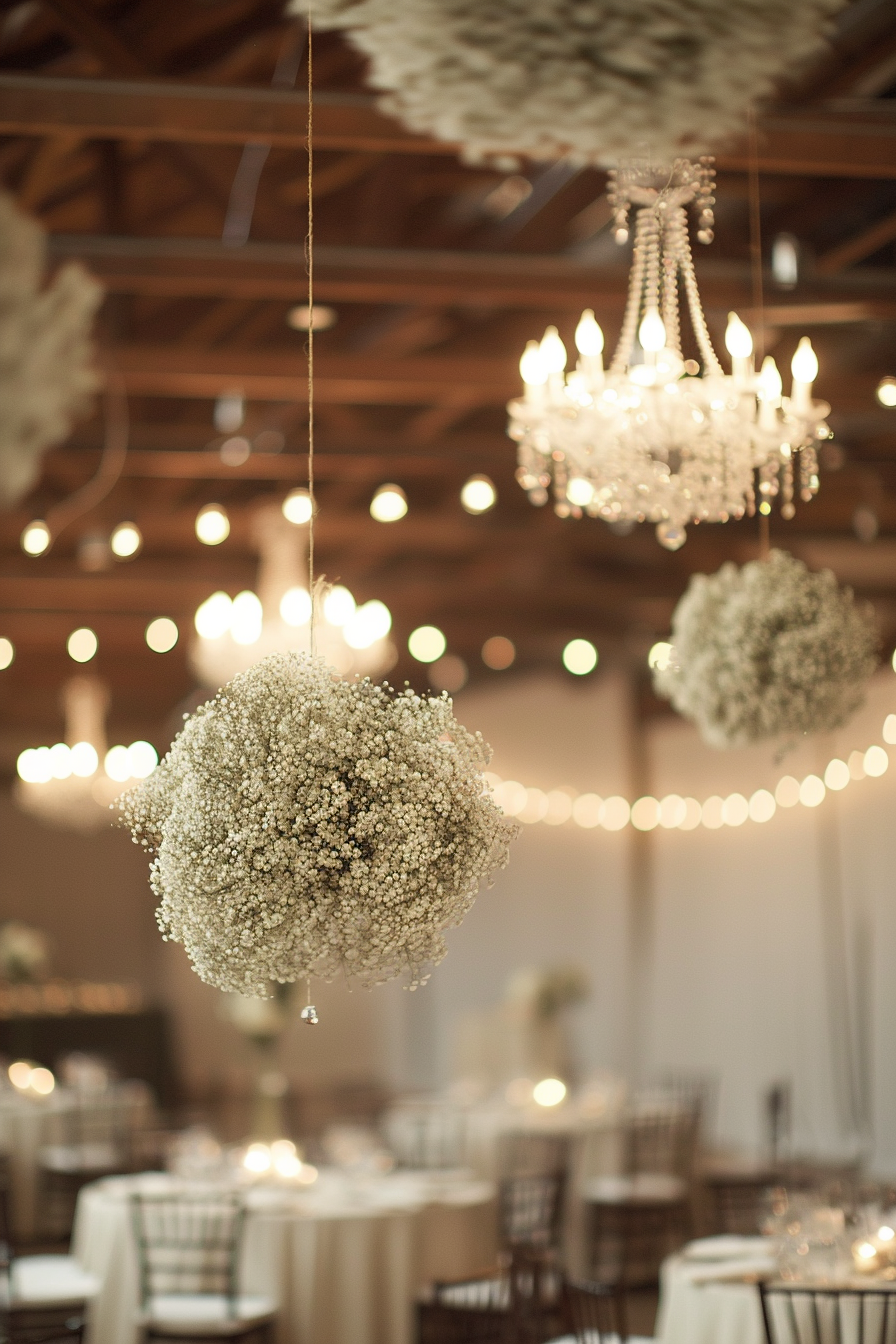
point(46, 354)
point(591, 80)
point(769, 650)
point(302, 825)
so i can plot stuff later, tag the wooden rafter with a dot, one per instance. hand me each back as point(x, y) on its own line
point(855, 138)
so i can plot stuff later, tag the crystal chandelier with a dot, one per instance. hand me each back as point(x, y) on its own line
point(73, 783)
point(657, 437)
point(234, 634)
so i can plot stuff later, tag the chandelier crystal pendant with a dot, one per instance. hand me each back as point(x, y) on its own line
point(657, 437)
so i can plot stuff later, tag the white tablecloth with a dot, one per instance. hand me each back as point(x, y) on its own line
point(29, 1124)
point(693, 1309)
point(343, 1260)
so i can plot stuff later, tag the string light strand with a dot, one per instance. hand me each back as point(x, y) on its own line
point(555, 807)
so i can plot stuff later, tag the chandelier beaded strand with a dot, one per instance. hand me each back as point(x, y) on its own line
point(656, 437)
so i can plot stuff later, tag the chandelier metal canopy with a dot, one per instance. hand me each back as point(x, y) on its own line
point(657, 437)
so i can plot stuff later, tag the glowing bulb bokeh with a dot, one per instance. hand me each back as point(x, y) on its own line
point(212, 525)
point(296, 507)
point(549, 1092)
point(295, 607)
point(427, 643)
point(82, 644)
point(580, 657)
point(126, 540)
point(478, 494)
point(161, 635)
point(35, 538)
point(388, 504)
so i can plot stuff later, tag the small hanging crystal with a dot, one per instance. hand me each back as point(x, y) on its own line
point(309, 1015)
point(671, 536)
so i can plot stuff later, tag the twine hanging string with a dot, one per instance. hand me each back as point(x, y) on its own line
point(309, 267)
point(309, 1012)
point(756, 285)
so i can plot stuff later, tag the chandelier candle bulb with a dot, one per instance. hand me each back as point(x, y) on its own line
point(739, 344)
point(590, 345)
point(770, 388)
point(804, 367)
point(533, 373)
point(652, 332)
point(553, 358)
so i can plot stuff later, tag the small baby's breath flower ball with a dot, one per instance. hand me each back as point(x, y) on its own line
point(769, 650)
point(591, 80)
point(304, 826)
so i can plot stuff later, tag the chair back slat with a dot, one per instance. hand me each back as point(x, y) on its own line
point(188, 1243)
point(523, 1304)
point(662, 1142)
point(426, 1137)
point(803, 1314)
point(595, 1312)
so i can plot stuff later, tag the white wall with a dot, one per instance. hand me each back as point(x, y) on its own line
point(773, 953)
point(563, 896)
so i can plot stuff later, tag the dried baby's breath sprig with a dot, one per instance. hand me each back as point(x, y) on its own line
point(769, 650)
point(301, 825)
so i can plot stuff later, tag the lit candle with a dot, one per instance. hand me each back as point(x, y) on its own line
point(866, 1256)
point(770, 386)
point(804, 367)
point(590, 345)
point(739, 344)
point(534, 374)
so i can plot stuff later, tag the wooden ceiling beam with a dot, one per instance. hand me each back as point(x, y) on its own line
point(278, 375)
point(290, 468)
point(861, 245)
point(85, 29)
point(368, 380)
point(204, 268)
point(199, 114)
point(851, 138)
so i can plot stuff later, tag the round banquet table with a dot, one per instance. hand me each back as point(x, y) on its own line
point(597, 1145)
point(701, 1301)
point(30, 1124)
point(343, 1260)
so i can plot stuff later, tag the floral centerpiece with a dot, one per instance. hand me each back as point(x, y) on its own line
point(24, 953)
point(305, 826)
point(539, 1001)
point(769, 650)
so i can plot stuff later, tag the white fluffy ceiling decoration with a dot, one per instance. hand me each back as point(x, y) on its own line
point(590, 80)
point(771, 650)
point(46, 354)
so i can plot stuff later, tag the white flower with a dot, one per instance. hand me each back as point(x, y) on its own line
point(767, 650)
point(303, 825)
point(46, 354)
point(589, 79)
